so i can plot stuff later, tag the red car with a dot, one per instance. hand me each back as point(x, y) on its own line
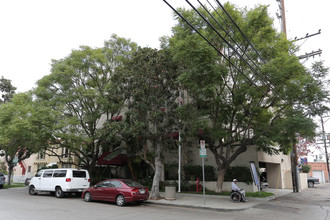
point(120, 191)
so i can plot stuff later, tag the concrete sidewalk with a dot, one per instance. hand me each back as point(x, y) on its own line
point(215, 202)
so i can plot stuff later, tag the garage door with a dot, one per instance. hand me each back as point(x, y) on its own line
point(319, 174)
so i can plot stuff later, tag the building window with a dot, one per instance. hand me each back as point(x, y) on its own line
point(65, 152)
point(41, 155)
point(29, 169)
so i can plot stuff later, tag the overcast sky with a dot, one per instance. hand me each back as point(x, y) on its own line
point(33, 32)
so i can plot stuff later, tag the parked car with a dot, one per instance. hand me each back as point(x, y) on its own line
point(312, 181)
point(2, 180)
point(60, 181)
point(27, 181)
point(120, 191)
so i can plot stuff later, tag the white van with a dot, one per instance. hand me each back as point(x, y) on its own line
point(60, 181)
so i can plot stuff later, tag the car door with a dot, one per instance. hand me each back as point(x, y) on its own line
point(80, 179)
point(99, 190)
point(46, 181)
point(112, 190)
point(36, 180)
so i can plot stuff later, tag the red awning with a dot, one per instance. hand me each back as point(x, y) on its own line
point(173, 134)
point(120, 160)
point(117, 118)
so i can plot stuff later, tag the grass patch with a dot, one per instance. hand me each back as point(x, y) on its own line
point(247, 194)
point(256, 194)
point(14, 185)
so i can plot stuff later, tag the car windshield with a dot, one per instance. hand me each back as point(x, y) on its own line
point(131, 183)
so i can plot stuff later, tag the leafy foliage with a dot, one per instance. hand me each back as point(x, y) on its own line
point(148, 83)
point(230, 112)
point(7, 90)
point(194, 171)
point(81, 90)
point(242, 174)
point(306, 168)
point(25, 128)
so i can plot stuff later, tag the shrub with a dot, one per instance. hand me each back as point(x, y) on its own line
point(194, 171)
point(306, 168)
point(242, 174)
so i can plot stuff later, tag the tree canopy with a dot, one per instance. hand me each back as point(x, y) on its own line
point(7, 90)
point(24, 129)
point(148, 84)
point(234, 106)
point(80, 88)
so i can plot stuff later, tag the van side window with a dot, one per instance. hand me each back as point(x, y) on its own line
point(47, 174)
point(39, 173)
point(79, 174)
point(59, 173)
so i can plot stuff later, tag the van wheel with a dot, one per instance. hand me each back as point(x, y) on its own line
point(120, 200)
point(87, 197)
point(58, 192)
point(32, 190)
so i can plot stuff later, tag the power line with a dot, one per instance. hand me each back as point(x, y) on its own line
point(269, 86)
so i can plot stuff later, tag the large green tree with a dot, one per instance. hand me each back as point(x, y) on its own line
point(149, 86)
point(81, 90)
point(25, 128)
point(230, 112)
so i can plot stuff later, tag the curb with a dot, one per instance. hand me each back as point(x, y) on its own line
point(196, 207)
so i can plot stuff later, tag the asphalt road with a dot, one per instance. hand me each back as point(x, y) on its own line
point(313, 204)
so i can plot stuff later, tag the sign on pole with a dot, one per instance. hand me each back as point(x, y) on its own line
point(202, 150)
point(202, 154)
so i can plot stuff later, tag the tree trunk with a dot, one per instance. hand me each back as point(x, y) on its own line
point(10, 171)
point(154, 193)
point(130, 166)
point(220, 180)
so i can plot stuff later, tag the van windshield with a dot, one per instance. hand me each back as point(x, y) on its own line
point(39, 173)
point(79, 174)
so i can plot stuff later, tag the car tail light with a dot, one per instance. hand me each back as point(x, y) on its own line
point(89, 180)
point(68, 180)
point(146, 189)
point(134, 191)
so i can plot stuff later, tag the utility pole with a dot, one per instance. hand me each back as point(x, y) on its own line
point(325, 148)
point(293, 154)
point(282, 16)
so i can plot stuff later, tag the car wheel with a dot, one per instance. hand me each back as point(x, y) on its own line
point(120, 200)
point(310, 184)
point(58, 192)
point(32, 190)
point(87, 197)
